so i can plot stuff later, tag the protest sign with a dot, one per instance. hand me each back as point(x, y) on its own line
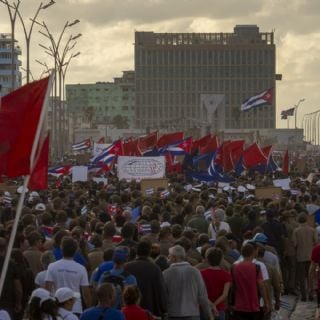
point(79, 173)
point(138, 168)
point(151, 186)
point(273, 193)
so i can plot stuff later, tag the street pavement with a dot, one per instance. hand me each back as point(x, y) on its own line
point(294, 309)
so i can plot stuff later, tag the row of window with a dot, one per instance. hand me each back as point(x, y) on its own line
point(205, 71)
point(93, 90)
point(205, 57)
point(203, 85)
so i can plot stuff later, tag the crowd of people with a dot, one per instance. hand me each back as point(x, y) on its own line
point(196, 251)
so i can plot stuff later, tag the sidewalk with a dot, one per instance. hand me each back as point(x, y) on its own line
point(304, 310)
point(294, 309)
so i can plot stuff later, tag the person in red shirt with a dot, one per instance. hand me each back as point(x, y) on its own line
point(217, 282)
point(132, 310)
point(247, 281)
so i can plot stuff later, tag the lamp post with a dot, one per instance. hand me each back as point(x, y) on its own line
point(27, 34)
point(13, 13)
point(296, 106)
point(59, 59)
point(64, 72)
point(13, 16)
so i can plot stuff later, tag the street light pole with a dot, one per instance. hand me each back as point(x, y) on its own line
point(58, 63)
point(64, 72)
point(296, 106)
point(28, 34)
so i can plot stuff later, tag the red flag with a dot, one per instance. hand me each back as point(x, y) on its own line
point(211, 145)
point(169, 138)
point(19, 118)
point(130, 147)
point(39, 176)
point(285, 164)
point(229, 153)
point(266, 151)
point(253, 156)
point(148, 142)
point(101, 140)
point(201, 142)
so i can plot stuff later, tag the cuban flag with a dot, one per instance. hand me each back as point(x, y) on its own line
point(262, 98)
point(59, 170)
point(98, 168)
point(109, 154)
point(179, 148)
point(83, 145)
point(164, 194)
point(213, 169)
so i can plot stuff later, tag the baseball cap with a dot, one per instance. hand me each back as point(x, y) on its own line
point(42, 294)
point(120, 254)
point(40, 207)
point(64, 294)
point(260, 238)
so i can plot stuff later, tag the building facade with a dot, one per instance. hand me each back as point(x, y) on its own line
point(102, 102)
point(10, 76)
point(188, 80)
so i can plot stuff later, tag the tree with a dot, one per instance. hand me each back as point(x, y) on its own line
point(120, 122)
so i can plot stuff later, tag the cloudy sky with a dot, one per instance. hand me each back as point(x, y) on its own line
point(108, 26)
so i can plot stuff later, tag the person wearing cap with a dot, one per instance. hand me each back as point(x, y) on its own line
point(120, 257)
point(40, 208)
point(218, 223)
point(41, 305)
point(104, 310)
point(68, 273)
point(65, 299)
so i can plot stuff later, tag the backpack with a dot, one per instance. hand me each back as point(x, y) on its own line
point(118, 282)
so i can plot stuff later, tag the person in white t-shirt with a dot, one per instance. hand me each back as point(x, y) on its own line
point(65, 298)
point(4, 315)
point(217, 223)
point(68, 273)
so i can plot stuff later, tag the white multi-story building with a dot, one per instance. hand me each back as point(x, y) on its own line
point(9, 69)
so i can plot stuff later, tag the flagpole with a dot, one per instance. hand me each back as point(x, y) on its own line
point(13, 233)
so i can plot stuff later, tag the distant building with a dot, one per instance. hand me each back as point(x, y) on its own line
point(102, 102)
point(6, 64)
point(181, 78)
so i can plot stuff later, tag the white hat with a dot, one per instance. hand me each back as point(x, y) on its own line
point(165, 224)
point(64, 294)
point(42, 294)
point(34, 194)
point(20, 189)
point(40, 207)
point(241, 189)
point(250, 186)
